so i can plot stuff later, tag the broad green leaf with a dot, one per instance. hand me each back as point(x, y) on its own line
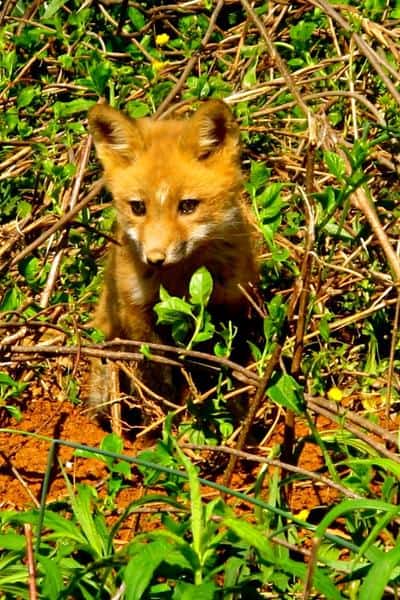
point(67, 109)
point(288, 393)
point(60, 527)
point(190, 591)
point(251, 535)
point(255, 538)
point(302, 32)
point(136, 17)
point(26, 96)
point(351, 506)
point(6, 379)
point(112, 443)
point(53, 7)
point(200, 287)
point(140, 570)
point(379, 575)
point(100, 74)
point(334, 230)
point(12, 541)
point(11, 300)
point(83, 511)
point(324, 328)
point(196, 508)
point(384, 463)
point(30, 268)
point(335, 164)
point(169, 310)
point(137, 109)
point(53, 580)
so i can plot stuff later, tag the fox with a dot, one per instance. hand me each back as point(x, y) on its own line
point(177, 188)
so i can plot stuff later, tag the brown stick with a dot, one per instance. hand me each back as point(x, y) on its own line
point(361, 201)
point(277, 58)
point(31, 562)
point(56, 263)
point(254, 406)
point(354, 429)
point(192, 61)
point(274, 360)
point(275, 463)
point(238, 372)
point(368, 52)
point(60, 223)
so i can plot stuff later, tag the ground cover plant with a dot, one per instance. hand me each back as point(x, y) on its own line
point(281, 478)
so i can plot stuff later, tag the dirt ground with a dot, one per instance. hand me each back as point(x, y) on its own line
point(23, 459)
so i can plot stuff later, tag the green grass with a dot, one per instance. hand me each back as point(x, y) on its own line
point(314, 92)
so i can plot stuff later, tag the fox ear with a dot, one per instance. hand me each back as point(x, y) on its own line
point(115, 135)
point(214, 129)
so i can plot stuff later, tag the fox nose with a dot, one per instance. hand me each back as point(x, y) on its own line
point(156, 258)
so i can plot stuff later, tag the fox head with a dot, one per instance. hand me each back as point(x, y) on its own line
point(175, 183)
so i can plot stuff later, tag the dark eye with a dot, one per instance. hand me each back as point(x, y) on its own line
point(138, 207)
point(188, 206)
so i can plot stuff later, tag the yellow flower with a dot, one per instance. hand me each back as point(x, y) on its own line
point(303, 514)
point(158, 65)
point(335, 394)
point(162, 39)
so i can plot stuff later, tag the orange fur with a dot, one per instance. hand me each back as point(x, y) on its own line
point(176, 186)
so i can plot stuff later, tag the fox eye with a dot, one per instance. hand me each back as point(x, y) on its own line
point(188, 206)
point(138, 207)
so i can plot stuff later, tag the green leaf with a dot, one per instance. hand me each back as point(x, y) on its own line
point(200, 286)
point(251, 534)
point(137, 109)
point(83, 511)
point(196, 509)
point(14, 411)
point(302, 32)
point(30, 268)
point(384, 463)
point(380, 575)
point(67, 109)
point(136, 18)
point(53, 580)
point(112, 443)
point(335, 164)
point(26, 96)
point(189, 591)
point(140, 570)
point(324, 328)
point(259, 174)
point(287, 393)
point(172, 309)
point(53, 7)
point(350, 506)
point(100, 74)
point(12, 300)
point(5, 379)
point(250, 77)
point(12, 541)
point(339, 232)
point(24, 209)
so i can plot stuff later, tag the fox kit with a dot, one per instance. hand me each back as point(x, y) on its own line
point(176, 187)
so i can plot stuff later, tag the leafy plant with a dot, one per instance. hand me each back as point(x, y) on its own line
point(10, 388)
point(190, 322)
point(314, 96)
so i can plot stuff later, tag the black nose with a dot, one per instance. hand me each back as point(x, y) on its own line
point(156, 263)
point(156, 259)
